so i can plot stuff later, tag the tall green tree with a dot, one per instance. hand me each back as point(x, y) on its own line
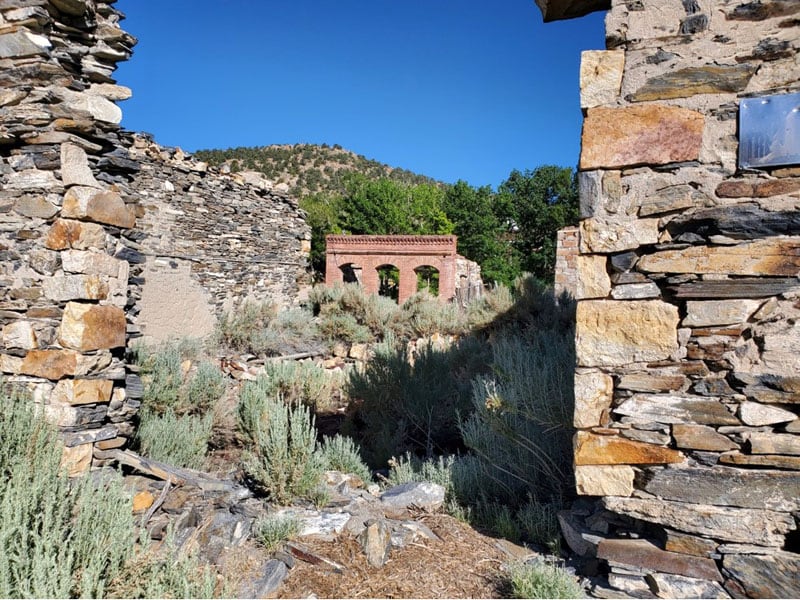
point(482, 227)
point(387, 207)
point(323, 215)
point(540, 202)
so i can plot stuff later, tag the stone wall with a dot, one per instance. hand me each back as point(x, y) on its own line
point(567, 252)
point(687, 341)
point(211, 240)
point(105, 236)
point(66, 219)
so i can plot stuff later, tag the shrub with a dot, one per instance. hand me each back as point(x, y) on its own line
point(542, 580)
point(162, 572)
point(539, 524)
point(57, 538)
point(401, 407)
point(424, 315)
point(521, 426)
point(274, 530)
point(335, 326)
point(342, 454)
point(178, 440)
point(282, 458)
point(297, 383)
point(167, 386)
point(69, 538)
point(238, 330)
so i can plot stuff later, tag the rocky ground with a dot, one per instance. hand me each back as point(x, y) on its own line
point(363, 543)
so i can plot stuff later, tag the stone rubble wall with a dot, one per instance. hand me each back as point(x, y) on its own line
point(67, 220)
point(687, 388)
point(105, 236)
point(212, 240)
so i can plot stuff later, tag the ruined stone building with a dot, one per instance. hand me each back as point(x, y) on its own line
point(105, 237)
point(685, 267)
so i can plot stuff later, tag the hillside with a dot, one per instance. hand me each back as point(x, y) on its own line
point(308, 168)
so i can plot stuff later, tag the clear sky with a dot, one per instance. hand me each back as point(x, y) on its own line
point(452, 89)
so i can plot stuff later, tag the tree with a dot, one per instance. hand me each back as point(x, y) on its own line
point(323, 212)
point(482, 227)
point(386, 207)
point(540, 202)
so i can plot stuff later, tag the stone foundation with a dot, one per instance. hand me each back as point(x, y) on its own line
point(686, 389)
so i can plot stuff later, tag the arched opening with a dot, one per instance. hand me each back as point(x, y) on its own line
point(351, 273)
point(389, 281)
point(428, 279)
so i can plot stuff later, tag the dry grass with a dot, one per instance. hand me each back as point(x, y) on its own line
point(463, 564)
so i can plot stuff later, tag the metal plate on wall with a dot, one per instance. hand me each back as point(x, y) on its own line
point(769, 131)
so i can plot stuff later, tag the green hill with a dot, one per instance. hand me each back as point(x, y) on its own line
point(308, 168)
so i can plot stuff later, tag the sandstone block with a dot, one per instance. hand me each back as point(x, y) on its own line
point(718, 312)
point(640, 135)
point(66, 233)
point(32, 179)
point(701, 437)
point(646, 555)
point(83, 391)
point(142, 501)
point(604, 480)
point(20, 43)
point(708, 79)
point(50, 364)
point(92, 327)
point(591, 449)
point(75, 168)
point(684, 543)
point(75, 287)
point(726, 486)
point(777, 256)
point(772, 575)
point(647, 382)
point(774, 443)
point(776, 461)
point(99, 206)
point(667, 585)
point(671, 198)
point(615, 333)
point(111, 91)
point(756, 414)
point(603, 236)
point(593, 280)
point(94, 263)
point(594, 392)
point(636, 291)
point(37, 207)
point(745, 525)
point(97, 106)
point(77, 459)
point(664, 408)
point(601, 76)
point(19, 334)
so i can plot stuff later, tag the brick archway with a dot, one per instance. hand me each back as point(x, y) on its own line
point(406, 252)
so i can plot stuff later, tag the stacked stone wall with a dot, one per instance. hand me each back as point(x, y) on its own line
point(105, 236)
point(211, 241)
point(687, 392)
point(67, 219)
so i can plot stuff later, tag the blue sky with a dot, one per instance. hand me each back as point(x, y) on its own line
point(452, 89)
